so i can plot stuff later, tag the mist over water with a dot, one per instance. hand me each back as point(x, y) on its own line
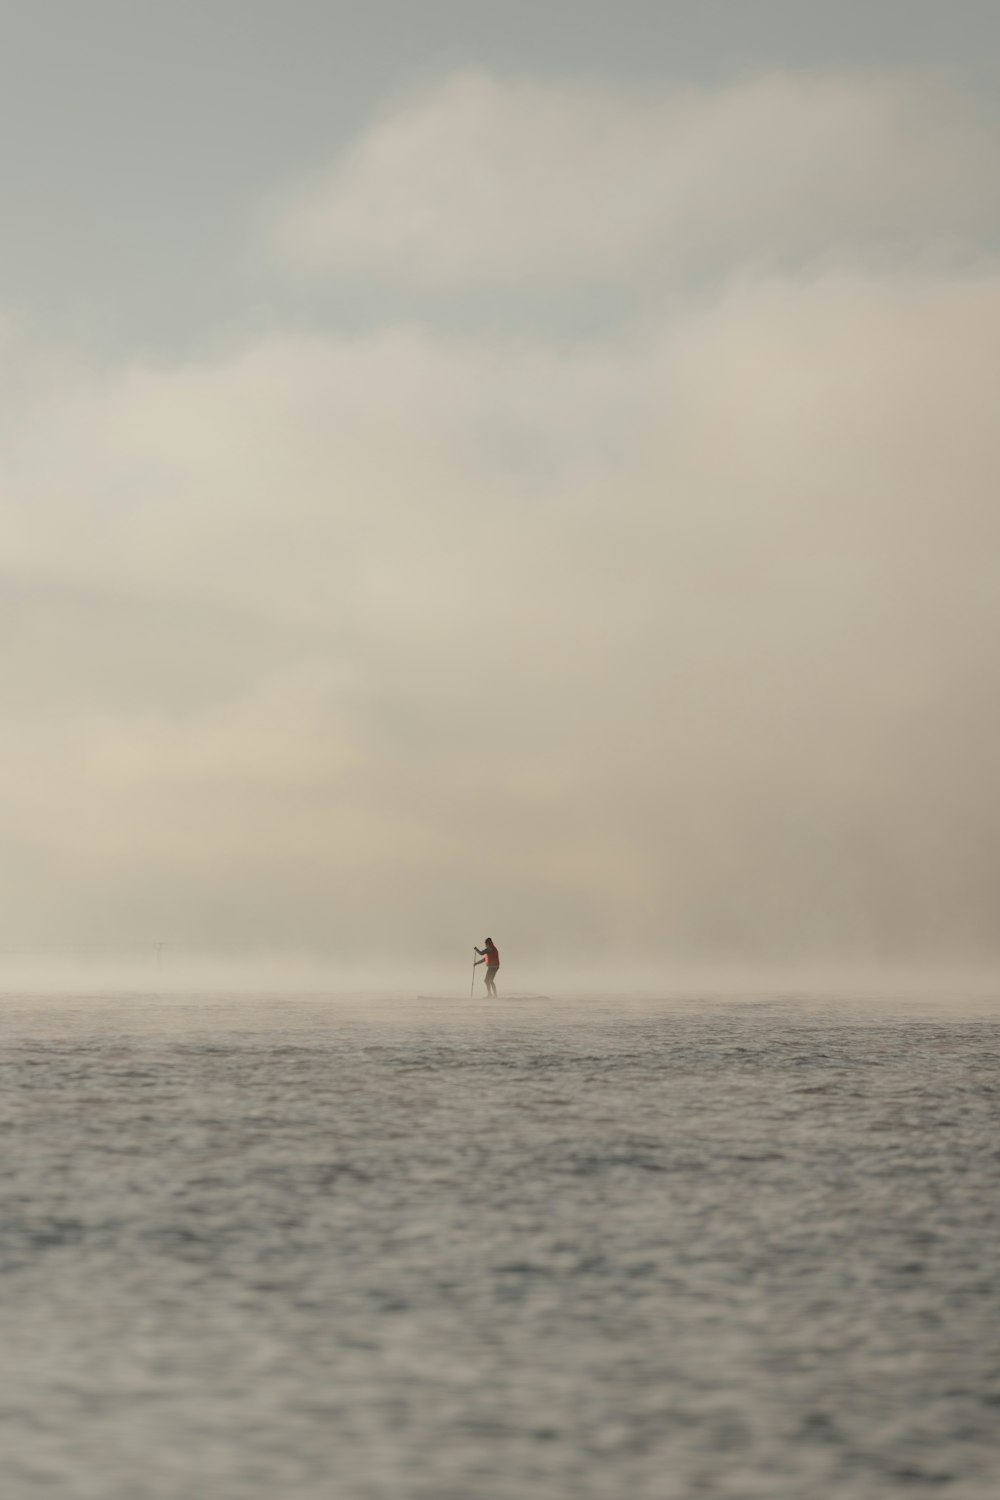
point(401, 1249)
point(166, 972)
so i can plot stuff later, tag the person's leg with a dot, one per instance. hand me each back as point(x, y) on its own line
point(491, 974)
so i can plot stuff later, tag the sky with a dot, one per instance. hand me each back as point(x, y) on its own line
point(525, 469)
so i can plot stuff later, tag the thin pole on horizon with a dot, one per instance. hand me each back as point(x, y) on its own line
point(472, 986)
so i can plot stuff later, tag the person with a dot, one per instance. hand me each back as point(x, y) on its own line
point(491, 958)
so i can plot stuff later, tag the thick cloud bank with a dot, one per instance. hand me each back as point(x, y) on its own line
point(681, 640)
point(481, 182)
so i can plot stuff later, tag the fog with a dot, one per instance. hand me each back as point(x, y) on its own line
point(666, 648)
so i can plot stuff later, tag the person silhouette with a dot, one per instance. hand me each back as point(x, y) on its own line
point(491, 958)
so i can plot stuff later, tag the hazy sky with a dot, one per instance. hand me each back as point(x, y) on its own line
point(526, 468)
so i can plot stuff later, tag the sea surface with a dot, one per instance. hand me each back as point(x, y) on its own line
point(391, 1248)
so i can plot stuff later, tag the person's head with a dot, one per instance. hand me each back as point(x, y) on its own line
point(489, 942)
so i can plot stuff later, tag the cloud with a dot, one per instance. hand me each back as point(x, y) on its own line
point(681, 641)
point(483, 182)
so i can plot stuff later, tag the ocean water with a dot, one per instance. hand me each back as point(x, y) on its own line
point(401, 1249)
